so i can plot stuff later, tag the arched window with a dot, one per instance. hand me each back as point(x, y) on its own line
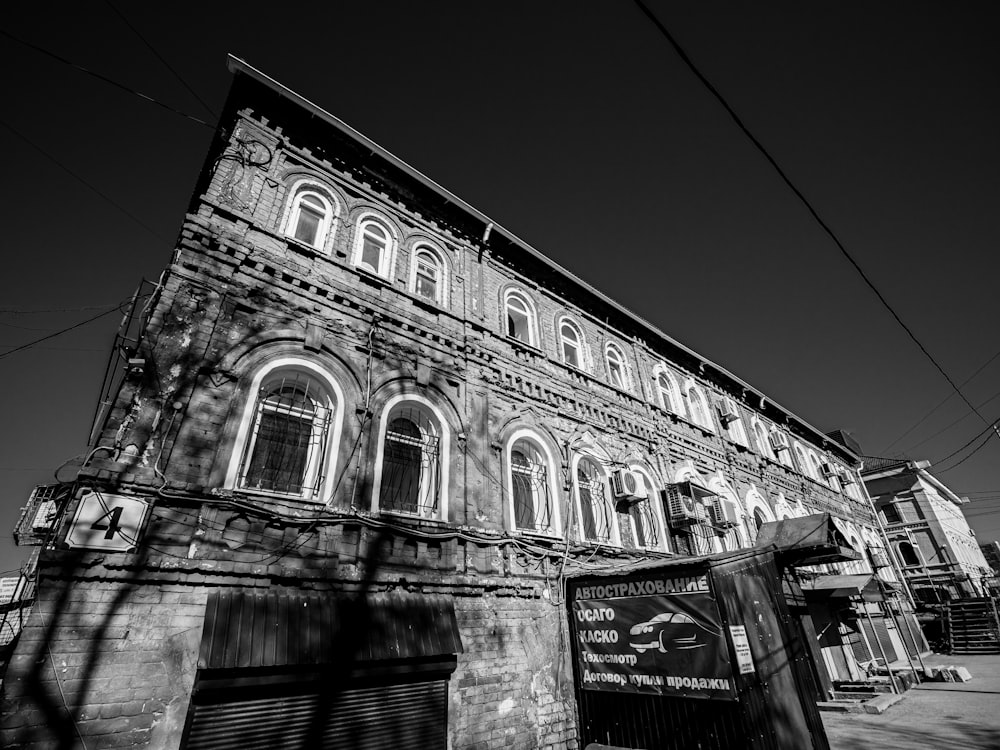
point(310, 218)
point(758, 518)
point(729, 415)
point(285, 438)
point(530, 487)
point(698, 405)
point(428, 275)
point(617, 370)
point(571, 342)
point(373, 247)
point(409, 467)
point(666, 388)
point(520, 317)
point(763, 440)
point(647, 526)
point(596, 515)
point(908, 554)
point(815, 468)
point(803, 462)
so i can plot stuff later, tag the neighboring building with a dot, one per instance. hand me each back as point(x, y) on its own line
point(929, 534)
point(362, 437)
point(991, 553)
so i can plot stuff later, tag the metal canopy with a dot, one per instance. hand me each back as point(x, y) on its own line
point(807, 540)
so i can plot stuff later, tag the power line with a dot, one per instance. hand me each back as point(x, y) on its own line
point(73, 174)
point(942, 460)
point(161, 59)
point(17, 311)
point(978, 448)
point(805, 201)
point(942, 403)
point(107, 80)
point(59, 333)
point(952, 424)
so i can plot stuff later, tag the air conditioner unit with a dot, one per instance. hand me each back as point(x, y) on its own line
point(627, 485)
point(847, 478)
point(723, 514)
point(879, 558)
point(827, 470)
point(727, 414)
point(779, 442)
point(682, 507)
point(38, 515)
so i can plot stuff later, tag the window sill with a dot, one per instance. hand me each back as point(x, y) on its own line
point(524, 346)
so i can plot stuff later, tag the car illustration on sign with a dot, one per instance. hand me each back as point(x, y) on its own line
point(668, 631)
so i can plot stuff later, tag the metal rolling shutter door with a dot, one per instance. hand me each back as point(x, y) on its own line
point(411, 716)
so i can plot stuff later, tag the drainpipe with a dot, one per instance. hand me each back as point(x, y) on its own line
point(890, 550)
point(892, 613)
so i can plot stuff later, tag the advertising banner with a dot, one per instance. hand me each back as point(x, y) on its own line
point(662, 636)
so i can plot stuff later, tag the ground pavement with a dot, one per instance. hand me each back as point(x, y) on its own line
point(933, 716)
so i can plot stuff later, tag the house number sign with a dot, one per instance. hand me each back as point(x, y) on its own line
point(107, 522)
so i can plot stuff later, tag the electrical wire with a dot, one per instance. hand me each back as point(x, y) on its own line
point(105, 79)
point(73, 174)
point(945, 400)
point(978, 448)
point(805, 202)
point(60, 332)
point(160, 57)
point(952, 424)
point(974, 439)
point(18, 311)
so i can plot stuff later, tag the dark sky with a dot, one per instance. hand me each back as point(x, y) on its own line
point(575, 126)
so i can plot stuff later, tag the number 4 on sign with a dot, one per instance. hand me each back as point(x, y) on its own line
point(112, 526)
point(107, 522)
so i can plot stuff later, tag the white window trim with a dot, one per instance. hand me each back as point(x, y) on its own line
point(626, 370)
point(657, 508)
point(445, 455)
point(532, 313)
point(244, 433)
point(328, 227)
point(581, 346)
point(727, 495)
point(736, 430)
point(706, 408)
point(753, 501)
point(616, 539)
point(441, 299)
point(675, 404)
point(388, 260)
point(550, 473)
point(763, 443)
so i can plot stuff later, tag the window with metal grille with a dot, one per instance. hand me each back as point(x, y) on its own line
point(530, 488)
point(411, 473)
point(644, 521)
point(286, 448)
point(595, 511)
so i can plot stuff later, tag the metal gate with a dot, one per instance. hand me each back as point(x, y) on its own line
point(411, 716)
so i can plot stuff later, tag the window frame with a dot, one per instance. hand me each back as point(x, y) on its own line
point(529, 312)
point(567, 322)
point(387, 258)
point(440, 297)
point(708, 423)
point(434, 414)
point(316, 482)
point(532, 437)
point(671, 400)
point(623, 367)
point(614, 535)
point(326, 229)
point(655, 509)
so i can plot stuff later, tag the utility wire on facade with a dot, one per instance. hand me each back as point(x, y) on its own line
point(805, 201)
point(73, 174)
point(60, 332)
point(107, 80)
point(160, 57)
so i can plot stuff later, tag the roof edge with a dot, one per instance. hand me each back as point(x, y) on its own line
point(238, 65)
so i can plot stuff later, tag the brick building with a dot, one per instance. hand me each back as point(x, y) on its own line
point(924, 523)
point(362, 437)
